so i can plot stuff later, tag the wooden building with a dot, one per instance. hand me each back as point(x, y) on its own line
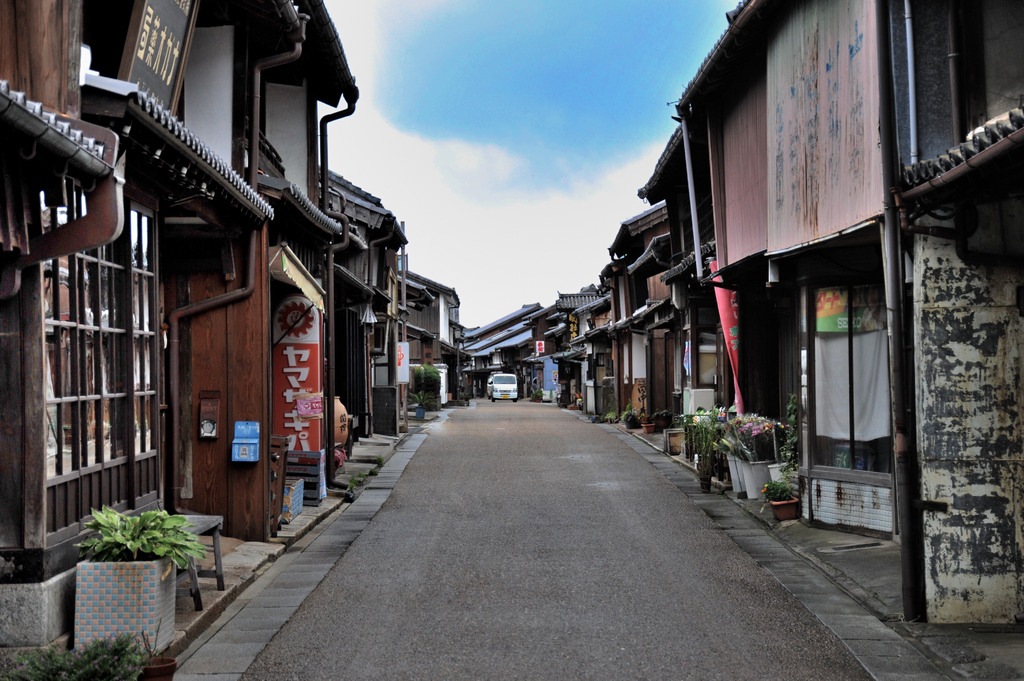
point(143, 340)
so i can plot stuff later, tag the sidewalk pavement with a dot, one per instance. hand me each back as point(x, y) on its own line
point(852, 583)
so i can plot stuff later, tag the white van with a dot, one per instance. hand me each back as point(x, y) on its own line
point(503, 387)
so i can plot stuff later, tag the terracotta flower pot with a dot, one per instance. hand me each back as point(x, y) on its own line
point(160, 669)
point(648, 427)
point(785, 510)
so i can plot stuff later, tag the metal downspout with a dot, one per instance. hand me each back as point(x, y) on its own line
point(908, 17)
point(956, 111)
point(331, 251)
point(909, 527)
point(174, 348)
point(298, 35)
point(693, 198)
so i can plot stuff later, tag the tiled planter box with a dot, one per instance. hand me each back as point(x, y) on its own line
point(125, 597)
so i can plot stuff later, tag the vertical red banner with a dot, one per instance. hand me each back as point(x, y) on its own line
point(728, 313)
point(297, 360)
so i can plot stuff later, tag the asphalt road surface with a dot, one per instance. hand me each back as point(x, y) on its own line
point(523, 543)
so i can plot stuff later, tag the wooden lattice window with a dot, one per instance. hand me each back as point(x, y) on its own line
point(101, 356)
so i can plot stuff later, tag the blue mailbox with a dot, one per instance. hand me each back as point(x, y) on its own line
point(246, 445)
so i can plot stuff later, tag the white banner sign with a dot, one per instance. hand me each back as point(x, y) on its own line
point(403, 362)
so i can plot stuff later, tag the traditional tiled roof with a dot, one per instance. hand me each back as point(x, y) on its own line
point(567, 302)
point(594, 306)
point(663, 162)
point(148, 108)
point(55, 134)
point(522, 312)
point(707, 248)
point(984, 145)
point(298, 198)
point(430, 283)
point(654, 259)
point(636, 225)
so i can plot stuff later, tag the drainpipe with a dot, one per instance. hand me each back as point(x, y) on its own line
point(910, 539)
point(956, 111)
point(298, 35)
point(911, 80)
point(693, 198)
point(331, 252)
point(174, 347)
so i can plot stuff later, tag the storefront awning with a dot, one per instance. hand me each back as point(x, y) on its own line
point(285, 267)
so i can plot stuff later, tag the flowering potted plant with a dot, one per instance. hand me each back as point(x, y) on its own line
point(778, 494)
point(645, 422)
point(751, 440)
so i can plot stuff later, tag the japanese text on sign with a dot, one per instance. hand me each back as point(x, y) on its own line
point(298, 406)
point(155, 57)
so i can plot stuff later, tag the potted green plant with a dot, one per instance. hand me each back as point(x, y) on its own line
point(630, 418)
point(702, 436)
point(424, 401)
point(126, 582)
point(705, 463)
point(120, 657)
point(663, 419)
point(780, 497)
point(537, 395)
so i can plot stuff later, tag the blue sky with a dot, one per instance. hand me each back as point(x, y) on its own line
point(521, 129)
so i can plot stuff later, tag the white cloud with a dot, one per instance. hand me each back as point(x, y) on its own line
point(469, 223)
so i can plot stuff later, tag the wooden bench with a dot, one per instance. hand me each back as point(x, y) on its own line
point(204, 525)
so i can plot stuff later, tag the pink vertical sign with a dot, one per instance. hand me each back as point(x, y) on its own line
point(729, 315)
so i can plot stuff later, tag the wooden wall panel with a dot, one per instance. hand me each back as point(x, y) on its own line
point(745, 171)
point(823, 148)
point(248, 393)
point(39, 50)
point(229, 355)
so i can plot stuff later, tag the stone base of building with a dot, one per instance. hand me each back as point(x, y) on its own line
point(33, 615)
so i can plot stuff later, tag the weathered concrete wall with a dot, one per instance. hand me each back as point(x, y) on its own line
point(969, 375)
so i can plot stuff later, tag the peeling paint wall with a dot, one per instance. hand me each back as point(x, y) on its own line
point(969, 374)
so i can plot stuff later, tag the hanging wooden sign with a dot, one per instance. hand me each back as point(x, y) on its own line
point(156, 48)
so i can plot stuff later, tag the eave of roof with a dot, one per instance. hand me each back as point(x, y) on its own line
point(329, 56)
point(595, 306)
point(747, 21)
point(350, 282)
point(56, 135)
point(441, 288)
point(291, 193)
point(155, 117)
point(654, 258)
point(707, 248)
point(567, 302)
point(523, 312)
point(934, 180)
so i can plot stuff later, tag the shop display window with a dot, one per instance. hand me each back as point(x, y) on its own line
point(851, 379)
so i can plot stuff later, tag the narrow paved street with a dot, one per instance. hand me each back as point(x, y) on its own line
point(521, 542)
